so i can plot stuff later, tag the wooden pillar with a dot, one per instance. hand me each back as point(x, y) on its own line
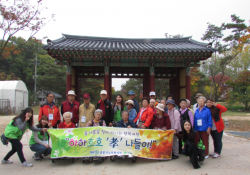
point(107, 81)
point(188, 84)
point(76, 84)
point(182, 80)
point(146, 84)
point(69, 79)
point(151, 79)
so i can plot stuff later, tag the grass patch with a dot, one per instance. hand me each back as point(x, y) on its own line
point(239, 125)
point(35, 109)
point(231, 113)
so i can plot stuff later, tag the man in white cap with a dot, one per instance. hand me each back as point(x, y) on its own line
point(71, 106)
point(152, 95)
point(105, 105)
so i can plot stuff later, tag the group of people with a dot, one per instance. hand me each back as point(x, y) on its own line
point(191, 127)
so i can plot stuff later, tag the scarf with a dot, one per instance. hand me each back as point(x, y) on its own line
point(67, 126)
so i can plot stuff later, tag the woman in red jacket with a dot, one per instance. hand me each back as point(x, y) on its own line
point(145, 116)
point(218, 126)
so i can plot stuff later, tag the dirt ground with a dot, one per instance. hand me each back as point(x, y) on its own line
point(234, 160)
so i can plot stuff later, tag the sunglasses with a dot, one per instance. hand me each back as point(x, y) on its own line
point(86, 98)
point(129, 105)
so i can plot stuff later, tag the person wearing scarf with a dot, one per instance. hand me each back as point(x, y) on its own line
point(67, 123)
point(218, 126)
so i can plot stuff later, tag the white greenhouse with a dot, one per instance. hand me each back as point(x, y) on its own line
point(13, 96)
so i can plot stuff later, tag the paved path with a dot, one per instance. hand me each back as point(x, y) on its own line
point(243, 134)
point(235, 160)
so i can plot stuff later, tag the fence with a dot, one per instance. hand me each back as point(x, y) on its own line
point(5, 107)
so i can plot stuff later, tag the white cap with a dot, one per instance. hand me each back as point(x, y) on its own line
point(103, 92)
point(152, 93)
point(71, 92)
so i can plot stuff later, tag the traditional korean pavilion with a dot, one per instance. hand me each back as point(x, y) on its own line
point(101, 57)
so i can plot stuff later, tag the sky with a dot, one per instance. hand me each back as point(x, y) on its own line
point(137, 18)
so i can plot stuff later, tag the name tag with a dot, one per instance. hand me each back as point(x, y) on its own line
point(199, 122)
point(71, 115)
point(51, 116)
point(137, 122)
point(46, 142)
point(83, 119)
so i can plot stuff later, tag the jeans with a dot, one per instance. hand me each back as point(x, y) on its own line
point(40, 149)
point(217, 137)
point(16, 147)
point(185, 152)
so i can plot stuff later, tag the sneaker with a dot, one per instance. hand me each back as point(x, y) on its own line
point(7, 162)
point(36, 157)
point(41, 156)
point(216, 155)
point(175, 157)
point(207, 156)
point(212, 154)
point(26, 164)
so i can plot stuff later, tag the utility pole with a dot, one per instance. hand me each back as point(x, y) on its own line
point(35, 78)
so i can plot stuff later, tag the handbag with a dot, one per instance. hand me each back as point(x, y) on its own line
point(4, 140)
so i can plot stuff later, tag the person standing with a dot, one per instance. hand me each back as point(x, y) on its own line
point(218, 126)
point(14, 132)
point(145, 116)
point(175, 119)
point(118, 107)
point(196, 105)
point(152, 105)
point(106, 106)
point(71, 106)
point(51, 110)
point(152, 95)
point(131, 110)
point(86, 111)
point(131, 96)
point(203, 123)
point(186, 115)
point(165, 105)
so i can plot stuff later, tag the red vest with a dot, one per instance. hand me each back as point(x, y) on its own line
point(66, 106)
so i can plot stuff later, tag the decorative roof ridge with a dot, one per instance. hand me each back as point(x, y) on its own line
point(126, 40)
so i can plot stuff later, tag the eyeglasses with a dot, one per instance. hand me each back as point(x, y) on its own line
point(51, 96)
point(129, 105)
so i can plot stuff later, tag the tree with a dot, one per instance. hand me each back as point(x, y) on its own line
point(51, 77)
point(134, 84)
point(11, 76)
point(21, 64)
point(232, 46)
point(161, 88)
point(19, 16)
point(240, 88)
point(198, 83)
point(92, 86)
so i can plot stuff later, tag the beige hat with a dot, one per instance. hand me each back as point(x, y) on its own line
point(71, 92)
point(103, 92)
point(198, 95)
point(130, 102)
point(160, 107)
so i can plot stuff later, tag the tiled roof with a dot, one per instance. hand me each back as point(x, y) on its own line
point(86, 43)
